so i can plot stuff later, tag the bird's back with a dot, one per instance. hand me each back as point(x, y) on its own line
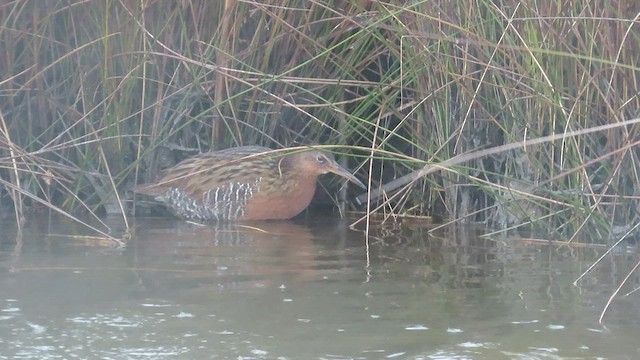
point(205, 171)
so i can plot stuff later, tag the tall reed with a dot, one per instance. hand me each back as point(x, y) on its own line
point(97, 96)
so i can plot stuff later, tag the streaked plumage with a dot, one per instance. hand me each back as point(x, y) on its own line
point(244, 183)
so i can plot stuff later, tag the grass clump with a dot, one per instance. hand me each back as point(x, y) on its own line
point(98, 96)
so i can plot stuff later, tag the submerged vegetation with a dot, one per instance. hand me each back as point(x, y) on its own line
point(440, 102)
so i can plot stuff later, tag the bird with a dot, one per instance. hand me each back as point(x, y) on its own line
point(244, 183)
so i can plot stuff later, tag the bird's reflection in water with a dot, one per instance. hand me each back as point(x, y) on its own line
point(173, 254)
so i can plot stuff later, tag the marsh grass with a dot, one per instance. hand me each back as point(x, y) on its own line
point(98, 96)
point(521, 115)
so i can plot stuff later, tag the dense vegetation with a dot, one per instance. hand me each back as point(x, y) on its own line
point(96, 96)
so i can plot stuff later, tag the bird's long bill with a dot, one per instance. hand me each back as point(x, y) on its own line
point(339, 170)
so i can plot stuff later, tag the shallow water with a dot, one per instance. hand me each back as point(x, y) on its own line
point(308, 289)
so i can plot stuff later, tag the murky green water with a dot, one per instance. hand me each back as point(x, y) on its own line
point(309, 289)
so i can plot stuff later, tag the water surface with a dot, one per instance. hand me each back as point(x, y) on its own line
point(306, 289)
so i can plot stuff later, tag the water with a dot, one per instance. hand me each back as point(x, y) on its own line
point(309, 289)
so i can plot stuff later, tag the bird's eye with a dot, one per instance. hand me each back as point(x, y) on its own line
point(321, 159)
